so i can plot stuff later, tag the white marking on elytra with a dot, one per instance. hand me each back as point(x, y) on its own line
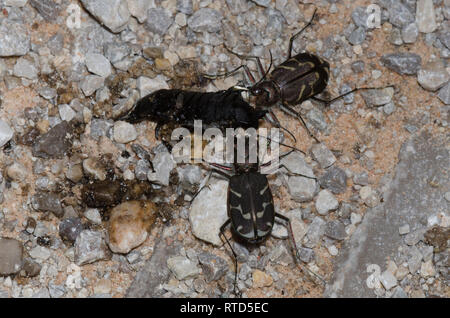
point(246, 216)
point(236, 193)
point(259, 215)
point(264, 190)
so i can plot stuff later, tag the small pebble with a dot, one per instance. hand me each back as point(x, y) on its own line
point(124, 132)
point(6, 133)
point(326, 202)
point(404, 229)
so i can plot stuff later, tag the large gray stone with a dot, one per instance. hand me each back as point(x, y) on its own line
point(14, 39)
point(402, 63)
point(410, 199)
point(209, 212)
point(114, 14)
point(154, 273)
point(11, 256)
point(206, 19)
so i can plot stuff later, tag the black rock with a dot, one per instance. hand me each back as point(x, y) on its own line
point(48, 9)
point(70, 228)
point(11, 256)
point(334, 180)
point(55, 143)
point(402, 63)
point(31, 268)
point(47, 202)
point(335, 230)
point(103, 193)
point(306, 254)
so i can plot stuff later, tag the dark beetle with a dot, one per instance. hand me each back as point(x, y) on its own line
point(222, 109)
point(250, 207)
point(292, 82)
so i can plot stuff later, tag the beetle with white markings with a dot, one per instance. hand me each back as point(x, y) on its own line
point(250, 206)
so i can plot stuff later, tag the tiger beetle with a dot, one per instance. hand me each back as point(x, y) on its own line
point(250, 207)
point(299, 78)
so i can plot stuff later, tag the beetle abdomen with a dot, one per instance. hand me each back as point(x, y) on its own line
point(301, 77)
point(250, 206)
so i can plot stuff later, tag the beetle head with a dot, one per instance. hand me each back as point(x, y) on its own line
point(265, 94)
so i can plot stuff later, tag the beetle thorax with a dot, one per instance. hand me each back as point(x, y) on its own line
point(265, 93)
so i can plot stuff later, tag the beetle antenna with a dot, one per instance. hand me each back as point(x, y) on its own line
point(327, 102)
point(282, 144)
point(291, 40)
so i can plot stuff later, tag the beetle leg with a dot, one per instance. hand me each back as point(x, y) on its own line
point(222, 234)
point(227, 74)
point(291, 40)
point(203, 185)
point(294, 246)
point(291, 233)
point(291, 111)
point(271, 118)
point(296, 174)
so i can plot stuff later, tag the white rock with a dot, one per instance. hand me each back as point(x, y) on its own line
point(74, 280)
point(24, 68)
point(66, 112)
point(181, 19)
point(27, 292)
point(98, 64)
point(296, 163)
point(427, 269)
point(369, 196)
point(147, 85)
point(182, 267)
point(89, 84)
point(93, 215)
point(301, 189)
point(279, 231)
point(425, 16)
point(388, 280)
point(40, 253)
point(402, 271)
point(433, 75)
point(14, 38)
point(163, 164)
point(323, 155)
point(209, 211)
point(124, 132)
point(139, 8)
point(333, 250)
point(355, 218)
point(114, 14)
point(299, 228)
point(404, 229)
point(6, 133)
point(326, 202)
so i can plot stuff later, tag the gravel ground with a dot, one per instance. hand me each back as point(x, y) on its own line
point(94, 207)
